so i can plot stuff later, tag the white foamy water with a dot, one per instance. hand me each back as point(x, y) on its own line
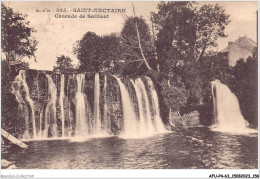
point(97, 106)
point(129, 117)
point(227, 113)
point(51, 112)
point(81, 116)
point(107, 122)
point(155, 103)
point(78, 120)
point(61, 105)
point(146, 125)
point(19, 85)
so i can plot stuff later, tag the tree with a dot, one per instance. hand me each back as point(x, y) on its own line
point(175, 90)
point(176, 33)
point(137, 46)
point(211, 22)
point(97, 53)
point(244, 85)
point(17, 42)
point(184, 34)
point(64, 64)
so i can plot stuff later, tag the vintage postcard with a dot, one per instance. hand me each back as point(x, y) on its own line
point(129, 85)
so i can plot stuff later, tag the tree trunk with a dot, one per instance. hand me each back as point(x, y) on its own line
point(13, 139)
point(141, 50)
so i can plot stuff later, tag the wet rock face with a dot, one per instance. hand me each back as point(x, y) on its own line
point(65, 105)
point(39, 92)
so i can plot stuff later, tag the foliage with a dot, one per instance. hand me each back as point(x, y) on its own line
point(176, 33)
point(17, 43)
point(16, 35)
point(244, 85)
point(9, 110)
point(211, 21)
point(212, 67)
point(174, 96)
point(184, 35)
point(241, 79)
point(185, 32)
point(122, 53)
point(96, 53)
point(64, 64)
point(137, 47)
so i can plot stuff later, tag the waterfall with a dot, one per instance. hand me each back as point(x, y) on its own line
point(50, 112)
point(40, 128)
point(61, 104)
point(141, 126)
point(38, 96)
point(30, 102)
point(97, 105)
point(129, 116)
point(19, 85)
point(227, 114)
point(156, 110)
point(81, 116)
point(69, 110)
point(148, 120)
point(143, 121)
point(105, 118)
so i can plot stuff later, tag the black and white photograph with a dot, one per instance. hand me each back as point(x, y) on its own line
point(129, 85)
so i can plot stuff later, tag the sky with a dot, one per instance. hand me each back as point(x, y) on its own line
point(57, 36)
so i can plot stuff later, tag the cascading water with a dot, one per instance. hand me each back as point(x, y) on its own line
point(61, 105)
point(40, 111)
point(50, 112)
point(148, 119)
point(30, 101)
point(129, 116)
point(97, 105)
point(75, 105)
point(81, 116)
point(227, 114)
point(69, 107)
point(141, 126)
point(19, 85)
point(105, 118)
point(157, 118)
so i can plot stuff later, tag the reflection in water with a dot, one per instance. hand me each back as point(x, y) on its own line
point(197, 148)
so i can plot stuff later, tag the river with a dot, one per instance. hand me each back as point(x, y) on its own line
point(198, 148)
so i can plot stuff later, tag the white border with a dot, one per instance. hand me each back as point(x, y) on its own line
point(123, 173)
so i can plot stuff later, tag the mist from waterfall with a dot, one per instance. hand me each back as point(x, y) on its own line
point(227, 113)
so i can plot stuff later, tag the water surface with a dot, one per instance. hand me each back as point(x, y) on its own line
point(194, 148)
